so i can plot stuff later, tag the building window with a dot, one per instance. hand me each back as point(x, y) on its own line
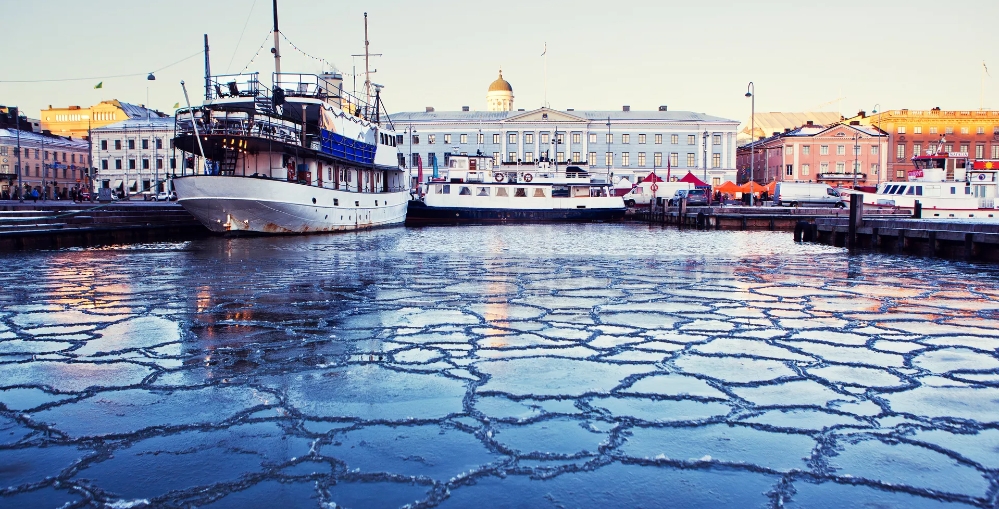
point(528, 157)
point(856, 150)
point(593, 159)
point(874, 168)
point(447, 139)
point(576, 137)
point(716, 160)
point(841, 167)
point(716, 139)
point(900, 151)
point(917, 148)
point(789, 150)
point(900, 174)
point(145, 164)
point(806, 150)
point(949, 148)
point(145, 144)
point(917, 130)
point(511, 157)
point(173, 163)
point(659, 139)
point(431, 138)
point(117, 164)
point(840, 150)
point(496, 158)
point(805, 169)
point(874, 150)
point(625, 138)
point(480, 139)
point(496, 139)
point(131, 144)
point(641, 158)
point(545, 138)
point(416, 139)
point(641, 139)
point(463, 138)
point(964, 148)
point(560, 138)
point(510, 138)
point(995, 151)
point(948, 130)
point(104, 164)
point(159, 143)
point(691, 161)
point(593, 138)
point(901, 129)
point(824, 167)
point(691, 139)
point(674, 159)
point(674, 139)
point(159, 163)
point(964, 130)
point(609, 158)
point(933, 130)
point(104, 144)
point(575, 157)
point(610, 138)
point(559, 156)
point(528, 138)
point(789, 170)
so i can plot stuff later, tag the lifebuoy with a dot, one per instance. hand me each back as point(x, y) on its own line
point(528, 177)
point(499, 176)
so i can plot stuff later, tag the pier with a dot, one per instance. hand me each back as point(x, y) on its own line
point(954, 239)
point(746, 218)
point(53, 225)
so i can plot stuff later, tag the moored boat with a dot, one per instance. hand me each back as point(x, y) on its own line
point(472, 189)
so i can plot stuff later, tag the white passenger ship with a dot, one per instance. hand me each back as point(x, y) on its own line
point(472, 189)
point(301, 156)
point(947, 185)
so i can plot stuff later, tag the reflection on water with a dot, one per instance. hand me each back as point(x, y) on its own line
point(518, 364)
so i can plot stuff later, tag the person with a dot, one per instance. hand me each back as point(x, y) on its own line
point(34, 195)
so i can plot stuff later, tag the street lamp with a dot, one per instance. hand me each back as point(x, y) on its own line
point(856, 155)
point(751, 94)
point(880, 148)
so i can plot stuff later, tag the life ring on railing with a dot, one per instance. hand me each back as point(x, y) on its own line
point(499, 176)
point(528, 177)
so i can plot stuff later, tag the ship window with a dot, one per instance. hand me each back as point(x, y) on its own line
point(891, 189)
point(502, 192)
point(483, 191)
point(967, 190)
point(336, 203)
point(520, 192)
point(465, 191)
point(910, 190)
point(919, 190)
point(953, 190)
point(539, 193)
point(446, 189)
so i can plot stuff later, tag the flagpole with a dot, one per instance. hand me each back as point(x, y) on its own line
point(981, 98)
point(545, 54)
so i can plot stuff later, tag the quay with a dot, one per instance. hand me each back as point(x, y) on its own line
point(59, 224)
point(942, 238)
point(727, 217)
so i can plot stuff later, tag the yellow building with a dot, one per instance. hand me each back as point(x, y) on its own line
point(74, 121)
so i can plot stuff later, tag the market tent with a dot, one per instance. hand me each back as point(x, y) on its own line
point(751, 187)
point(728, 187)
point(652, 177)
point(691, 179)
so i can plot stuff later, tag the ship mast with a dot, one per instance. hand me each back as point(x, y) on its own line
point(367, 67)
point(276, 49)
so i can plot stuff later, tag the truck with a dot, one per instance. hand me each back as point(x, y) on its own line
point(642, 193)
point(811, 194)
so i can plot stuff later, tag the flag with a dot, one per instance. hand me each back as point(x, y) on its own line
point(986, 68)
point(176, 105)
point(546, 50)
point(99, 85)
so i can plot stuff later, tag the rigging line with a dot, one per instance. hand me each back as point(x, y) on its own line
point(240, 36)
point(101, 77)
point(255, 55)
point(300, 50)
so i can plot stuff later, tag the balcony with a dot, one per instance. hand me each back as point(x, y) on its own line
point(841, 176)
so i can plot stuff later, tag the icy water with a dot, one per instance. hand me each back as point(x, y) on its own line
point(506, 366)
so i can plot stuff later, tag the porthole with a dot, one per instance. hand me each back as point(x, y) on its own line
point(313, 201)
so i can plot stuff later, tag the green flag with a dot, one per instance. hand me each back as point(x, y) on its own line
point(176, 105)
point(99, 85)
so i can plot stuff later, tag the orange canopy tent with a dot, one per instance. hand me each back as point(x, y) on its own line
point(728, 187)
point(751, 187)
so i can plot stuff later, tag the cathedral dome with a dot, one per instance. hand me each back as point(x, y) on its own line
point(500, 85)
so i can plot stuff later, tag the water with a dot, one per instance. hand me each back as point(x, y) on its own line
point(526, 366)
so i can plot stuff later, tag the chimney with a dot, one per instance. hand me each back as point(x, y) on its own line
point(662, 108)
point(809, 123)
point(862, 114)
point(570, 109)
point(430, 109)
point(776, 133)
point(626, 108)
point(464, 108)
point(787, 130)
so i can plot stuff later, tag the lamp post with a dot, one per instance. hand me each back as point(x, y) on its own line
point(17, 124)
point(880, 148)
point(751, 94)
point(856, 155)
point(705, 144)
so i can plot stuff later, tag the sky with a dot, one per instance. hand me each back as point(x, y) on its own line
point(844, 55)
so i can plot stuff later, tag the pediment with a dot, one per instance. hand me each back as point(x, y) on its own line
point(545, 115)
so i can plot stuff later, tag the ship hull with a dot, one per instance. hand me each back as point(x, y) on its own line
point(226, 204)
point(420, 213)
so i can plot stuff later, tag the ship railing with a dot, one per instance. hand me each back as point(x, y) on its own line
point(224, 86)
point(237, 123)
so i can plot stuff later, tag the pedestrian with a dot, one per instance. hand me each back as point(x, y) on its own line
point(34, 195)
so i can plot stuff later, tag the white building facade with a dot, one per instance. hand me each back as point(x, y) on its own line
point(136, 155)
point(617, 144)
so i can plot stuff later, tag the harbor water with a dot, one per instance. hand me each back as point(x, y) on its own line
point(595, 365)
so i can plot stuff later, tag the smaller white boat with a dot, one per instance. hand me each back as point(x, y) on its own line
point(946, 185)
point(472, 189)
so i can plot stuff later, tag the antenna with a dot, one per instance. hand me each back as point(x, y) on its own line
point(367, 64)
point(276, 49)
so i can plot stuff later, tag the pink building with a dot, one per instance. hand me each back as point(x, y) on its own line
point(838, 155)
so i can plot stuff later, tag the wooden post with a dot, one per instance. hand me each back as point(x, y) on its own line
point(856, 219)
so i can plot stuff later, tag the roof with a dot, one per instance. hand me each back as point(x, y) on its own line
point(776, 121)
point(500, 84)
point(594, 116)
point(33, 138)
point(813, 130)
point(136, 111)
point(157, 123)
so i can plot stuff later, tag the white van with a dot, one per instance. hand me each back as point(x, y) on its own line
point(642, 193)
point(807, 194)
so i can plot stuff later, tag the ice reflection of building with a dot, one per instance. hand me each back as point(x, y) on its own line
point(626, 143)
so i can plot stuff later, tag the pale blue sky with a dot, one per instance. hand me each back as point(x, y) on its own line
point(690, 55)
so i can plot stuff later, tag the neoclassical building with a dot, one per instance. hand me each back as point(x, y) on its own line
point(625, 143)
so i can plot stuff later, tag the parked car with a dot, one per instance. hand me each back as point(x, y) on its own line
point(695, 197)
point(642, 193)
point(807, 193)
point(85, 195)
point(162, 196)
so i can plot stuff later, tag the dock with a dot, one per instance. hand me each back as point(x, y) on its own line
point(56, 225)
point(764, 218)
point(960, 239)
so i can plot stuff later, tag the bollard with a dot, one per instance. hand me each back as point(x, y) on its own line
point(799, 230)
point(917, 211)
